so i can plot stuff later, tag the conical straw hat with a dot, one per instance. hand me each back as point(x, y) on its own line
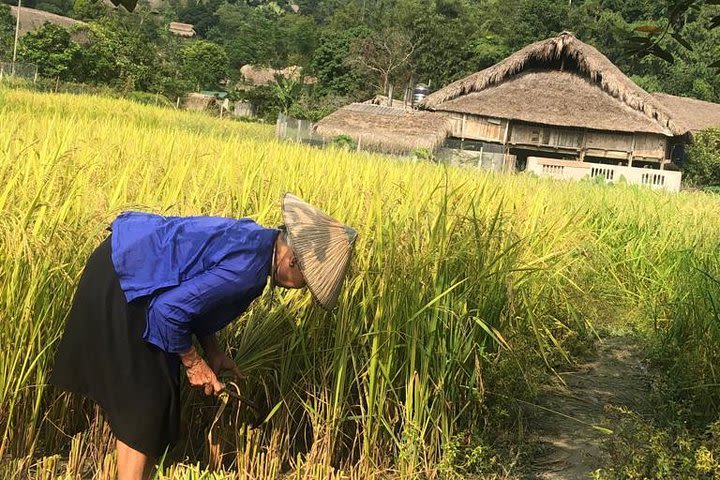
point(322, 246)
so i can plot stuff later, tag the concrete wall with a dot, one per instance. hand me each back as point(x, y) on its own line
point(567, 170)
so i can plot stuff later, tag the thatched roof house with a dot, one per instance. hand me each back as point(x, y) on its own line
point(391, 130)
point(693, 114)
point(562, 98)
point(32, 19)
point(565, 69)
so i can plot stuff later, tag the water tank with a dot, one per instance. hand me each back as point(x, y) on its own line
point(421, 91)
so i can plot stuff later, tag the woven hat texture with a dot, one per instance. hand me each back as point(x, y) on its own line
point(322, 245)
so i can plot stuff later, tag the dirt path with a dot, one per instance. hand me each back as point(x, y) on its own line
point(571, 449)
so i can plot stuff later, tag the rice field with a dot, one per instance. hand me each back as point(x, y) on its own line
point(466, 289)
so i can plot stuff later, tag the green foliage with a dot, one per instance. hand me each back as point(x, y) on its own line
point(204, 64)
point(688, 346)
point(335, 75)
point(58, 7)
point(344, 142)
point(201, 15)
point(449, 39)
point(7, 32)
point(89, 9)
point(51, 48)
point(250, 36)
point(421, 153)
point(641, 450)
point(264, 99)
point(520, 22)
point(287, 91)
point(150, 99)
point(703, 160)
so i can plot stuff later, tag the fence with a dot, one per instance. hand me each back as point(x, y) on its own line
point(297, 130)
point(493, 161)
point(301, 131)
point(568, 170)
point(19, 70)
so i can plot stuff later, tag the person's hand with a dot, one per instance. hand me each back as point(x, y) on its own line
point(199, 373)
point(220, 362)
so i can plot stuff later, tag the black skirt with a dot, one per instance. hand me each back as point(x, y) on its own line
point(103, 356)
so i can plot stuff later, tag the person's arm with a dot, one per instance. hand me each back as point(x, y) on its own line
point(209, 344)
point(199, 373)
point(172, 312)
point(217, 359)
point(170, 323)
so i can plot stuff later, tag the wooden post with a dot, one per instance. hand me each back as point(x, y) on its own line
point(390, 96)
point(17, 32)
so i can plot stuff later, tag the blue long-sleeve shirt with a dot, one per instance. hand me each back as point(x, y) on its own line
point(200, 272)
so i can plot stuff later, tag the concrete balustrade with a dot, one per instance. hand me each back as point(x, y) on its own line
point(572, 170)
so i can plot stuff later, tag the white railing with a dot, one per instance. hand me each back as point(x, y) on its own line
point(569, 170)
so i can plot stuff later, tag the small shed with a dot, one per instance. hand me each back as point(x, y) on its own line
point(386, 129)
point(182, 29)
point(199, 102)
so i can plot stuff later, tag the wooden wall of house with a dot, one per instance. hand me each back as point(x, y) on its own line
point(650, 146)
point(472, 127)
point(608, 144)
point(545, 136)
point(581, 142)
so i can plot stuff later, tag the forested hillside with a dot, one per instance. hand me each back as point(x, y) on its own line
point(357, 48)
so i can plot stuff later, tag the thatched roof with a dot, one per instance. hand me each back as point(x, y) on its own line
point(392, 130)
point(182, 29)
point(255, 75)
point(562, 53)
point(567, 101)
point(32, 19)
point(694, 114)
point(384, 101)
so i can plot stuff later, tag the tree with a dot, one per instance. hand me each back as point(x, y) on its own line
point(287, 91)
point(249, 35)
point(204, 63)
point(89, 9)
point(201, 15)
point(385, 55)
point(124, 54)
point(7, 32)
point(51, 48)
point(335, 75)
point(703, 165)
point(520, 22)
point(653, 37)
point(58, 7)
